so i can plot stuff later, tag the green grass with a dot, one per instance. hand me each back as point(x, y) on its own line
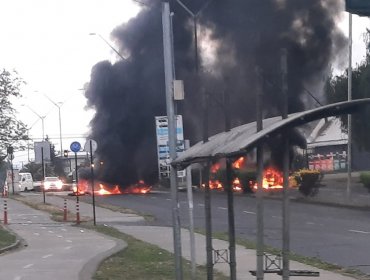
point(142, 261)
point(6, 238)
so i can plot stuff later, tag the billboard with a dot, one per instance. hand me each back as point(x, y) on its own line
point(163, 149)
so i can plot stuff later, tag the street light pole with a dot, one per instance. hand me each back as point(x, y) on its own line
point(105, 41)
point(60, 121)
point(169, 77)
point(41, 118)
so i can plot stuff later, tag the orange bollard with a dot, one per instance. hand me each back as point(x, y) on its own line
point(5, 212)
point(65, 210)
point(77, 212)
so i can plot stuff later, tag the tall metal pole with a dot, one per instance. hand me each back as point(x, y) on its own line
point(191, 217)
point(259, 195)
point(60, 121)
point(230, 194)
point(286, 214)
point(169, 71)
point(349, 147)
point(92, 181)
point(43, 172)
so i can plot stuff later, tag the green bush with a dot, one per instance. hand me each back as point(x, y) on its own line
point(308, 181)
point(365, 179)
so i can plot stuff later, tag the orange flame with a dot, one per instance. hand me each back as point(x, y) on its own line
point(272, 179)
point(105, 189)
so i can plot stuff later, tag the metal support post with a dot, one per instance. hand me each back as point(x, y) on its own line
point(169, 77)
point(92, 181)
point(208, 218)
point(77, 194)
point(43, 173)
point(191, 217)
point(230, 207)
point(349, 144)
point(286, 214)
point(259, 194)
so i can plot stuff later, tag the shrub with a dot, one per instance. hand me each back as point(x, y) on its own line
point(308, 181)
point(365, 179)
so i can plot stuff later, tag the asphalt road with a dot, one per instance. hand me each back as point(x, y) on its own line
point(333, 234)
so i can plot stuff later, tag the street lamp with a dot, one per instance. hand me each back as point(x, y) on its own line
point(40, 117)
point(58, 105)
point(101, 37)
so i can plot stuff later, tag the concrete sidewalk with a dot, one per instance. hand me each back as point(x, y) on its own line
point(162, 237)
point(48, 250)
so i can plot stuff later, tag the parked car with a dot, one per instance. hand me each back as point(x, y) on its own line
point(52, 183)
point(25, 182)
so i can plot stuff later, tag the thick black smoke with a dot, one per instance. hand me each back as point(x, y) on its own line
point(236, 37)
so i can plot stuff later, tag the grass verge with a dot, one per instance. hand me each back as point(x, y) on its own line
point(6, 238)
point(139, 260)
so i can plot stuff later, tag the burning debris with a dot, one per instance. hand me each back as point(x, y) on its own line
point(84, 187)
point(235, 38)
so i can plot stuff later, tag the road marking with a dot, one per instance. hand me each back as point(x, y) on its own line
point(69, 241)
point(200, 204)
point(28, 265)
point(310, 223)
point(18, 278)
point(358, 231)
point(47, 256)
point(60, 236)
point(248, 212)
point(36, 233)
point(276, 217)
point(222, 208)
point(63, 229)
point(50, 231)
point(68, 248)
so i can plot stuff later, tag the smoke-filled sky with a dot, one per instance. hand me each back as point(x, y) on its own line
point(47, 42)
point(240, 43)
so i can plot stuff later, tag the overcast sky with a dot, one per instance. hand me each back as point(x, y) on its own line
point(48, 43)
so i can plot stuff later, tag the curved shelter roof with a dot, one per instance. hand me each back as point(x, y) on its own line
point(239, 140)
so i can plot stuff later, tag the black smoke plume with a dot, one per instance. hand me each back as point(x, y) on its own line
point(239, 54)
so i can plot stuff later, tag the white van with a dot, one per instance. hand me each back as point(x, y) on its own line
point(25, 182)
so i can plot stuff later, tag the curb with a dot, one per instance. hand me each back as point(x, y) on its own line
point(16, 245)
point(89, 269)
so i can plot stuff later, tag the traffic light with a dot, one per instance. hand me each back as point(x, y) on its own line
point(65, 153)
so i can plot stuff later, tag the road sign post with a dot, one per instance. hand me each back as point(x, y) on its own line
point(90, 147)
point(75, 147)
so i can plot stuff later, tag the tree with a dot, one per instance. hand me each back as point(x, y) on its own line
point(12, 131)
point(336, 89)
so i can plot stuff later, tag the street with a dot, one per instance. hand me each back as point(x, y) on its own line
point(333, 234)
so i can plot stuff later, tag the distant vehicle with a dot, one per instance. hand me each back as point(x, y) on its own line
point(25, 182)
point(52, 183)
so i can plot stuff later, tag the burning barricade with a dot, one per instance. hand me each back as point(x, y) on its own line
point(84, 187)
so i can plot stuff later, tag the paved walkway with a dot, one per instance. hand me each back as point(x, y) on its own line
point(160, 236)
point(50, 250)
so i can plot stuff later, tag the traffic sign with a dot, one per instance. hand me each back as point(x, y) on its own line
point(94, 146)
point(75, 146)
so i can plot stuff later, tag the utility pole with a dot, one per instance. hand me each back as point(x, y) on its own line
point(169, 78)
point(259, 194)
point(286, 214)
point(349, 144)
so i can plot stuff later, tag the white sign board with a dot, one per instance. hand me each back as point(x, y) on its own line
point(42, 148)
point(93, 146)
point(163, 150)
